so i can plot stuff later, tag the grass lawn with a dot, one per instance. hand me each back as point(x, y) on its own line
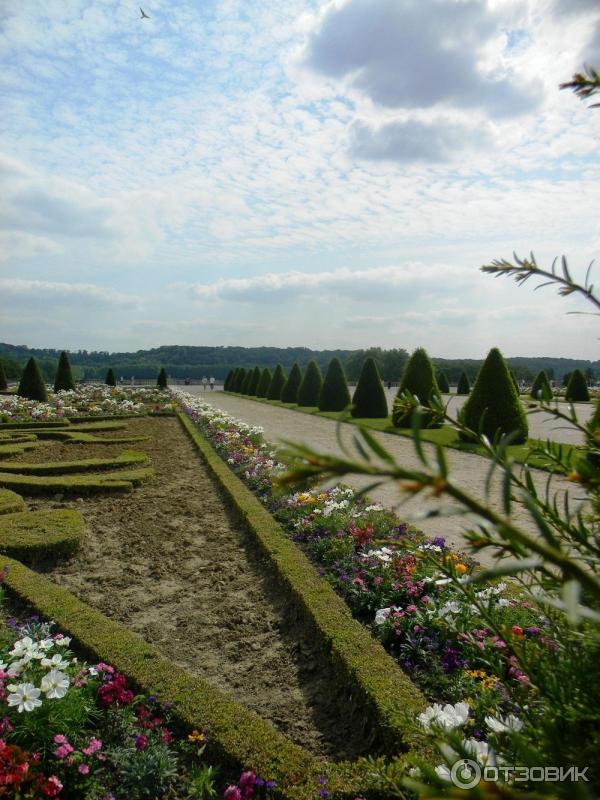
point(446, 435)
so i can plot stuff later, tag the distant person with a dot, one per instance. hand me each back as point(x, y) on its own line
point(132, 380)
point(212, 383)
point(187, 381)
point(204, 382)
point(121, 379)
point(389, 385)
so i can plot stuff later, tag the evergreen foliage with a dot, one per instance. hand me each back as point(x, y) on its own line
point(239, 381)
point(494, 405)
point(248, 379)
point(32, 384)
point(227, 380)
point(310, 388)
point(254, 383)
point(463, 386)
point(577, 389)
point(289, 393)
point(3, 381)
point(63, 380)
point(514, 380)
point(442, 382)
point(161, 381)
point(264, 382)
point(277, 384)
point(334, 394)
point(369, 399)
point(540, 389)
point(110, 378)
point(418, 380)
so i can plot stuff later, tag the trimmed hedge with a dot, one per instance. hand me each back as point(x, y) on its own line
point(110, 378)
point(162, 381)
point(9, 450)
point(388, 697)
point(310, 388)
point(228, 379)
point(265, 381)
point(442, 382)
point(369, 400)
point(126, 459)
point(463, 386)
point(494, 405)
point(253, 386)
point(11, 426)
point(36, 536)
point(3, 381)
point(277, 384)
point(247, 384)
point(419, 380)
point(63, 380)
point(10, 502)
point(334, 394)
point(120, 482)
point(577, 388)
point(540, 389)
point(289, 393)
point(31, 385)
point(239, 380)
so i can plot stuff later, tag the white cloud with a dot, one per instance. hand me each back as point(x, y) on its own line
point(33, 290)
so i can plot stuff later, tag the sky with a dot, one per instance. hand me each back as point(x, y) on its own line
point(295, 173)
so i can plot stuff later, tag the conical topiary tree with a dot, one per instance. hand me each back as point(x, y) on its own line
point(63, 380)
point(369, 399)
point(577, 389)
point(161, 381)
point(494, 405)
point(540, 389)
point(32, 384)
point(442, 382)
point(419, 380)
point(289, 393)
point(110, 378)
point(253, 385)
point(239, 381)
point(334, 394)
point(515, 381)
point(247, 382)
point(463, 386)
point(310, 388)
point(228, 379)
point(264, 382)
point(277, 384)
point(3, 381)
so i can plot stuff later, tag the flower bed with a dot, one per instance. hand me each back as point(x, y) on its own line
point(410, 591)
point(84, 401)
point(72, 729)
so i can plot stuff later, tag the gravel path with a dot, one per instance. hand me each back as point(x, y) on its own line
point(467, 469)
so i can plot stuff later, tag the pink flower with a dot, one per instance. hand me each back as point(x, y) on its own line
point(411, 608)
point(93, 746)
point(377, 580)
point(60, 739)
point(63, 751)
point(232, 793)
point(426, 599)
point(141, 742)
point(246, 783)
point(83, 769)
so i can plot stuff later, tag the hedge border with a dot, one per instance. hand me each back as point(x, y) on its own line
point(120, 482)
point(126, 459)
point(33, 537)
point(7, 426)
point(236, 735)
point(11, 502)
point(389, 698)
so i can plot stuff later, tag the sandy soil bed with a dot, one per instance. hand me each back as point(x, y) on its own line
point(171, 563)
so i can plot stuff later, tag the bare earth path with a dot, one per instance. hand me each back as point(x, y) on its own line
point(171, 563)
point(467, 469)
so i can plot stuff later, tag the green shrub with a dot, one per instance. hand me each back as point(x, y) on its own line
point(463, 386)
point(442, 382)
point(418, 380)
point(369, 399)
point(248, 381)
point(334, 395)
point(264, 383)
point(110, 378)
point(577, 389)
point(239, 381)
point(515, 381)
point(228, 379)
point(254, 383)
point(63, 380)
point(32, 536)
point(161, 381)
point(31, 385)
point(11, 502)
point(277, 384)
point(289, 393)
point(540, 389)
point(494, 405)
point(310, 388)
point(3, 381)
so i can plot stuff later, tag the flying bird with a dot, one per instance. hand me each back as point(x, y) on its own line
point(144, 15)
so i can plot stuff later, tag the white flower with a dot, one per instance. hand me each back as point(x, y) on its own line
point(414, 772)
point(46, 644)
point(502, 724)
point(55, 684)
point(62, 641)
point(25, 696)
point(56, 662)
point(382, 615)
point(443, 772)
point(448, 716)
point(481, 751)
point(453, 607)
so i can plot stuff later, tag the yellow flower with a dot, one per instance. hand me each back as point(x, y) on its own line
point(461, 569)
point(196, 736)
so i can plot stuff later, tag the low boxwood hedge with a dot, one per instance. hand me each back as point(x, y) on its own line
point(120, 482)
point(126, 459)
point(388, 698)
point(10, 502)
point(38, 536)
point(9, 450)
point(7, 426)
